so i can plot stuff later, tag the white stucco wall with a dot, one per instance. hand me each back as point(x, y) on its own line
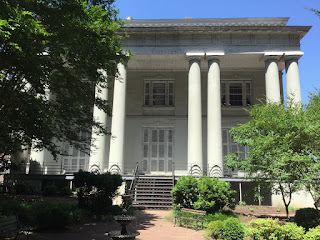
point(300, 199)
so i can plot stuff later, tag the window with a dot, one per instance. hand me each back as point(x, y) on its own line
point(74, 159)
point(157, 149)
point(159, 93)
point(229, 146)
point(235, 93)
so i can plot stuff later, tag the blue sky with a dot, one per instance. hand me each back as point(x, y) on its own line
point(295, 9)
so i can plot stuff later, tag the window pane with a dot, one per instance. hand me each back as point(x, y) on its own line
point(170, 165)
point(145, 135)
point(159, 100)
point(223, 93)
point(161, 135)
point(154, 150)
point(161, 151)
point(235, 92)
point(170, 137)
point(171, 100)
point(146, 100)
point(169, 151)
point(145, 151)
point(145, 165)
point(81, 164)
point(248, 99)
point(225, 150)
point(159, 94)
point(66, 164)
point(153, 165)
point(161, 165)
point(171, 88)
point(248, 90)
point(154, 136)
point(159, 88)
point(224, 136)
point(74, 165)
point(147, 88)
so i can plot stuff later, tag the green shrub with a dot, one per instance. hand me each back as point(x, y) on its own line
point(50, 190)
point(232, 229)
point(23, 189)
point(293, 232)
point(266, 229)
point(185, 192)
point(312, 234)
point(205, 193)
point(65, 191)
point(52, 215)
point(214, 195)
point(95, 192)
point(214, 228)
point(307, 218)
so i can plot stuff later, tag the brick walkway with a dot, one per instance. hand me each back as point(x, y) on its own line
point(150, 224)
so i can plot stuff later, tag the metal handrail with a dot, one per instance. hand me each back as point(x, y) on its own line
point(135, 176)
point(173, 176)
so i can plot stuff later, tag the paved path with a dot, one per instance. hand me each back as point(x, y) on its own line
point(150, 224)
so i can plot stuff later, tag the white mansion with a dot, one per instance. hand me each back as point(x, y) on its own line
point(186, 85)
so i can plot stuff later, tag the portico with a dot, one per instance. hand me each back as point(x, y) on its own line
point(194, 76)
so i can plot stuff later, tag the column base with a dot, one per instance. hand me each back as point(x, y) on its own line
point(195, 170)
point(215, 171)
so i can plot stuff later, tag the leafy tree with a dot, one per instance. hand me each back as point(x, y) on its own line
point(51, 53)
point(284, 147)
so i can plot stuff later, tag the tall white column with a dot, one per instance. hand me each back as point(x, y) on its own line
point(99, 149)
point(195, 163)
point(272, 80)
point(116, 161)
point(214, 147)
point(293, 79)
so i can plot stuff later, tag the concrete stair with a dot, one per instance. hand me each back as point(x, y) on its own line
point(153, 192)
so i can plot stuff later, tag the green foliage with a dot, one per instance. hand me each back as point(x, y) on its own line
point(54, 48)
point(24, 189)
point(44, 214)
point(232, 229)
point(65, 191)
point(293, 232)
point(50, 190)
point(283, 149)
point(271, 229)
point(185, 192)
point(95, 192)
point(218, 216)
point(265, 229)
point(307, 218)
point(214, 195)
point(214, 228)
point(312, 234)
point(207, 194)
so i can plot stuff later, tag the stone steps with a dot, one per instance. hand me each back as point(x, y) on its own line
point(153, 193)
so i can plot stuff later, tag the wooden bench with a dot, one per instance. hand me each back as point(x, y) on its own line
point(200, 216)
point(10, 228)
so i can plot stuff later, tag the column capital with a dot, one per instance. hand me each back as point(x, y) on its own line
point(195, 55)
point(272, 56)
point(292, 55)
point(214, 56)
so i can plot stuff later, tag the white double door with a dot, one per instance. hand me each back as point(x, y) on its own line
point(157, 150)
